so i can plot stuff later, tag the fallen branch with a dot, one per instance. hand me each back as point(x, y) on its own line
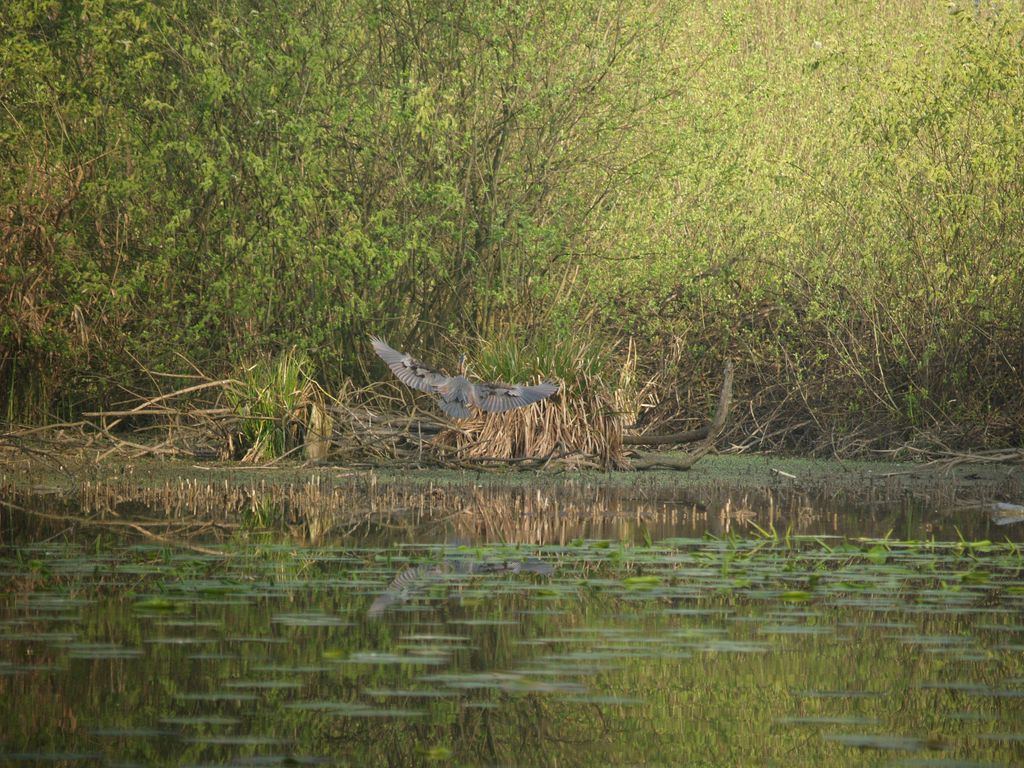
point(689, 436)
point(180, 544)
point(165, 411)
point(713, 430)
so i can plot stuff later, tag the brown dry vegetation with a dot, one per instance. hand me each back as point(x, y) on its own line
point(585, 431)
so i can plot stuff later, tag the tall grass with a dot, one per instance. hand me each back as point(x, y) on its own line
point(273, 401)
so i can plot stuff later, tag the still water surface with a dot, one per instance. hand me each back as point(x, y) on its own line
point(656, 644)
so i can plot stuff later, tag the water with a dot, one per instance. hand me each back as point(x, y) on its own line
point(337, 509)
point(653, 645)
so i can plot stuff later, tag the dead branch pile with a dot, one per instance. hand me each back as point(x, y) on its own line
point(270, 413)
point(359, 428)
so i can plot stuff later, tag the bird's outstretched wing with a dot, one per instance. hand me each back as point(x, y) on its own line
point(453, 409)
point(504, 397)
point(409, 371)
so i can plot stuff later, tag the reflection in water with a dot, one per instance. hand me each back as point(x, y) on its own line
point(1003, 513)
point(724, 652)
point(324, 511)
point(289, 639)
point(419, 578)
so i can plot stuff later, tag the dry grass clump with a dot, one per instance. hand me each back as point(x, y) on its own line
point(583, 430)
point(581, 424)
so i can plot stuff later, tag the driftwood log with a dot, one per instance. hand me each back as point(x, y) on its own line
point(707, 434)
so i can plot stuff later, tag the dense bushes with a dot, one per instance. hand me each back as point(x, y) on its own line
point(856, 238)
point(832, 195)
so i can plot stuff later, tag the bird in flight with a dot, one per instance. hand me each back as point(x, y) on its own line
point(457, 393)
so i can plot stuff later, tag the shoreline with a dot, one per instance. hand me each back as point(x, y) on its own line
point(62, 474)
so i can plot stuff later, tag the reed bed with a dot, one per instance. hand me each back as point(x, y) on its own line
point(575, 430)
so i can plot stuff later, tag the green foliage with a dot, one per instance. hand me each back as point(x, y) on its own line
point(270, 398)
point(843, 213)
point(829, 193)
point(225, 182)
point(581, 362)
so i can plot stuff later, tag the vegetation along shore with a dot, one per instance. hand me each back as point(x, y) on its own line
point(206, 211)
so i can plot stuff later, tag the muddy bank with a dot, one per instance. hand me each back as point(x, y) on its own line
point(748, 471)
